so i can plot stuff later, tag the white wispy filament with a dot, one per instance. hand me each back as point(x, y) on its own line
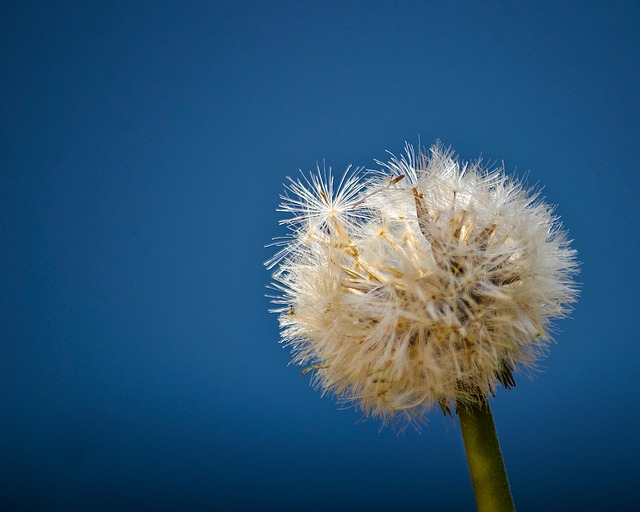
point(424, 283)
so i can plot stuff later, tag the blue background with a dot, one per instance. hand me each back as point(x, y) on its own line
point(143, 146)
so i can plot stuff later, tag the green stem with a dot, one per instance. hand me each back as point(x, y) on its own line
point(488, 475)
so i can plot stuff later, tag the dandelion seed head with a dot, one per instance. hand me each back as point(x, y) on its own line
point(425, 283)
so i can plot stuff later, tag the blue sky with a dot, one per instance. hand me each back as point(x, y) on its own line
point(143, 146)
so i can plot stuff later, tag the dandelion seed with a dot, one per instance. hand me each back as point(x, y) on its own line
point(423, 284)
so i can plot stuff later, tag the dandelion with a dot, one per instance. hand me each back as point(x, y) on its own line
point(425, 283)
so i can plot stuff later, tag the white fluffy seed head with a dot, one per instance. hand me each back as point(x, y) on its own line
point(425, 283)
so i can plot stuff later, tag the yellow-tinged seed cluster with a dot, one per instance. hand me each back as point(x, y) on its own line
point(426, 283)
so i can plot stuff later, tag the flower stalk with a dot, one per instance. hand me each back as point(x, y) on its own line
point(486, 466)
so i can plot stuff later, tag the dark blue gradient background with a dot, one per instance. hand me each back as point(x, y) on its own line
point(143, 146)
